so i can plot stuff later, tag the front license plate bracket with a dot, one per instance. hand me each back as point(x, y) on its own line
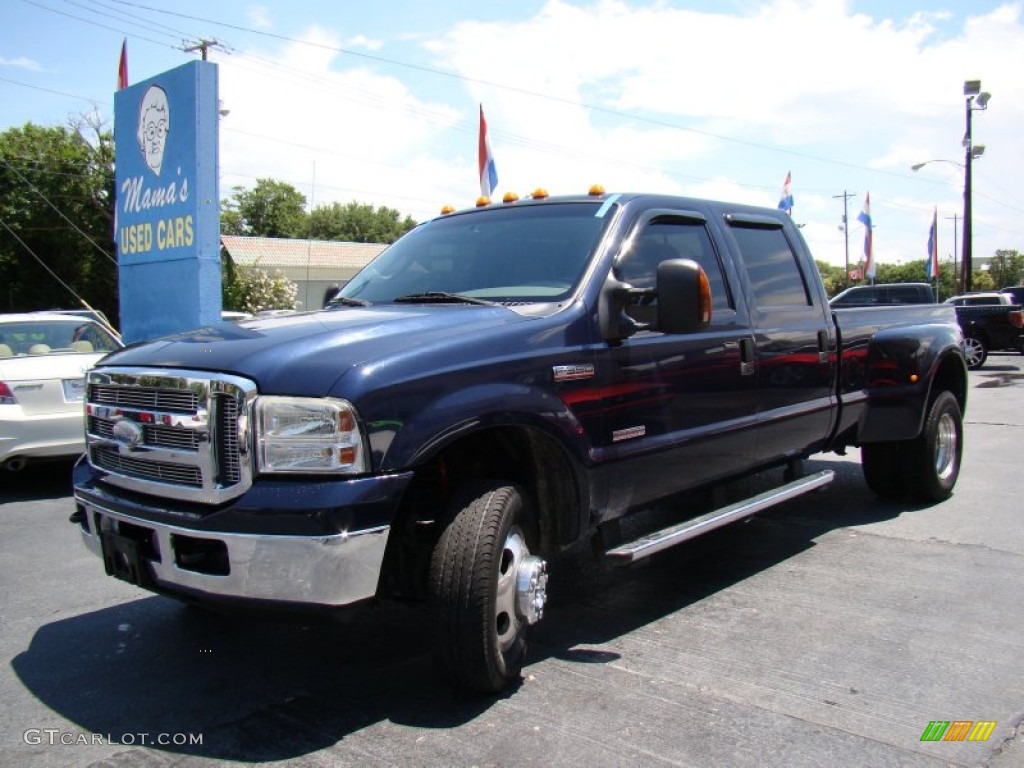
point(124, 559)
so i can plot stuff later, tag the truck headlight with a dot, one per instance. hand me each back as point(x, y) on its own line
point(299, 434)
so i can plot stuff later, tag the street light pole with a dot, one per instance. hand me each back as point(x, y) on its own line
point(972, 89)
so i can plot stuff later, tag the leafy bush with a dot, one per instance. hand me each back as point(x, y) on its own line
point(251, 289)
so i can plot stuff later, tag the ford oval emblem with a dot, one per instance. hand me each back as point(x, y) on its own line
point(127, 433)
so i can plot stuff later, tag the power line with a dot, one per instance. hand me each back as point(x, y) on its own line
point(33, 254)
point(507, 87)
point(58, 210)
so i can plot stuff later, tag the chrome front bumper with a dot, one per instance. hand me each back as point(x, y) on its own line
point(328, 571)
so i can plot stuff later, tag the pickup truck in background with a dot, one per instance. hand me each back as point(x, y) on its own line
point(498, 385)
point(884, 294)
point(989, 321)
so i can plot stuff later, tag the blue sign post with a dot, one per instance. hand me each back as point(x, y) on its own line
point(167, 207)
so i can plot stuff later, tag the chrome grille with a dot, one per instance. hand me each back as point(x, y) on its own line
point(144, 397)
point(227, 415)
point(111, 460)
point(181, 434)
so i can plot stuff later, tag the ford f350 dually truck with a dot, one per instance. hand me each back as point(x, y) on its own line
point(499, 384)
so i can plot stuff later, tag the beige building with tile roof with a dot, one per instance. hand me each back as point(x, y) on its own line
point(317, 267)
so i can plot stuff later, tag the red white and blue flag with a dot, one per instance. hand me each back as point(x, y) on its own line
point(869, 255)
point(933, 247)
point(488, 169)
point(786, 201)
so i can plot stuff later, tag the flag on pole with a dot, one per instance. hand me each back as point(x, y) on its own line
point(786, 201)
point(122, 70)
point(865, 218)
point(488, 169)
point(933, 246)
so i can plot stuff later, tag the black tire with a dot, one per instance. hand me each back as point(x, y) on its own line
point(933, 458)
point(882, 464)
point(481, 626)
point(976, 352)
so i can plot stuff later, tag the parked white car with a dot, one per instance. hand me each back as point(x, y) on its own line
point(43, 360)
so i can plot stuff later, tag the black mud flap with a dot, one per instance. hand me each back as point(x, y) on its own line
point(123, 559)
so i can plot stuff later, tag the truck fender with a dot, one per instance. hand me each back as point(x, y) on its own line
point(907, 366)
point(472, 411)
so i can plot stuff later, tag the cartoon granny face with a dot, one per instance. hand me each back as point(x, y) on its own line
point(154, 122)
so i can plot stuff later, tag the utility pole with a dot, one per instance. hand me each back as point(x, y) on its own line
point(846, 233)
point(202, 45)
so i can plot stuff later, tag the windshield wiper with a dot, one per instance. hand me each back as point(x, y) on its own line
point(440, 297)
point(347, 301)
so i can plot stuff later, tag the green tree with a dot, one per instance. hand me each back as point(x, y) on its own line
point(270, 209)
point(832, 277)
point(1007, 268)
point(357, 223)
point(56, 218)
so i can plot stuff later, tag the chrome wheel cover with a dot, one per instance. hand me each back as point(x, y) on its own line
point(521, 589)
point(946, 440)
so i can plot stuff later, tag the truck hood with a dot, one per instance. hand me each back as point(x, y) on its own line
point(306, 354)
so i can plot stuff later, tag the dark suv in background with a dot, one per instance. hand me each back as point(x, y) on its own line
point(1016, 293)
point(884, 293)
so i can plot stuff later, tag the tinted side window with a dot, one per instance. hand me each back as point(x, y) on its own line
point(673, 239)
point(906, 295)
point(775, 276)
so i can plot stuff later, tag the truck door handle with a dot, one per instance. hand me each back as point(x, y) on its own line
point(747, 365)
point(823, 350)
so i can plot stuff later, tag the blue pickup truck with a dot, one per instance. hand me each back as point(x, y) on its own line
point(498, 385)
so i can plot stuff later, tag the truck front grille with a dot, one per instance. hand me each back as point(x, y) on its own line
point(180, 434)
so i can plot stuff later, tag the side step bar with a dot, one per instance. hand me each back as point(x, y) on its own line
point(656, 541)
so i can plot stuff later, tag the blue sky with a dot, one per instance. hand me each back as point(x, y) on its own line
point(377, 102)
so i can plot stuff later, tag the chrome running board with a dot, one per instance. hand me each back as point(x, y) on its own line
point(647, 545)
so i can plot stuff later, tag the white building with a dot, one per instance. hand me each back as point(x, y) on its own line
point(317, 267)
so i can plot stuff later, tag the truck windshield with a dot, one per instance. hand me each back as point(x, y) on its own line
point(525, 253)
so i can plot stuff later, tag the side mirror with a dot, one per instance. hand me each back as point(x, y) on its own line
point(612, 319)
point(684, 297)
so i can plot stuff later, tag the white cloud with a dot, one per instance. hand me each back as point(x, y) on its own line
point(259, 17)
point(653, 98)
point(21, 62)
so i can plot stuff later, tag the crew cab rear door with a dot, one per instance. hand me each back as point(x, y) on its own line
point(677, 409)
point(794, 337)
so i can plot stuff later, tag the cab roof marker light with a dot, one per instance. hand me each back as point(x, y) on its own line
point(482, 201)
point(596, 190)
point(510, 197)
point(445, 210)
point(539, 194)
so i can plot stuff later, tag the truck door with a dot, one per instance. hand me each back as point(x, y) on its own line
point(794, 337)
point(677, 409)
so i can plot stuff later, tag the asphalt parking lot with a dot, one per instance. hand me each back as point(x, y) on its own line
point(828, 632)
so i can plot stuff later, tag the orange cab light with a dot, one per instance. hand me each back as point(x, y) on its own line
point(447, 209)
point(510, 197)
point(540, 193)
point(483, 201)
point(913, 378)
point(596, 190)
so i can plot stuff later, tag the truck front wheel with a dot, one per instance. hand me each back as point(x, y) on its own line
point(486, 588)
